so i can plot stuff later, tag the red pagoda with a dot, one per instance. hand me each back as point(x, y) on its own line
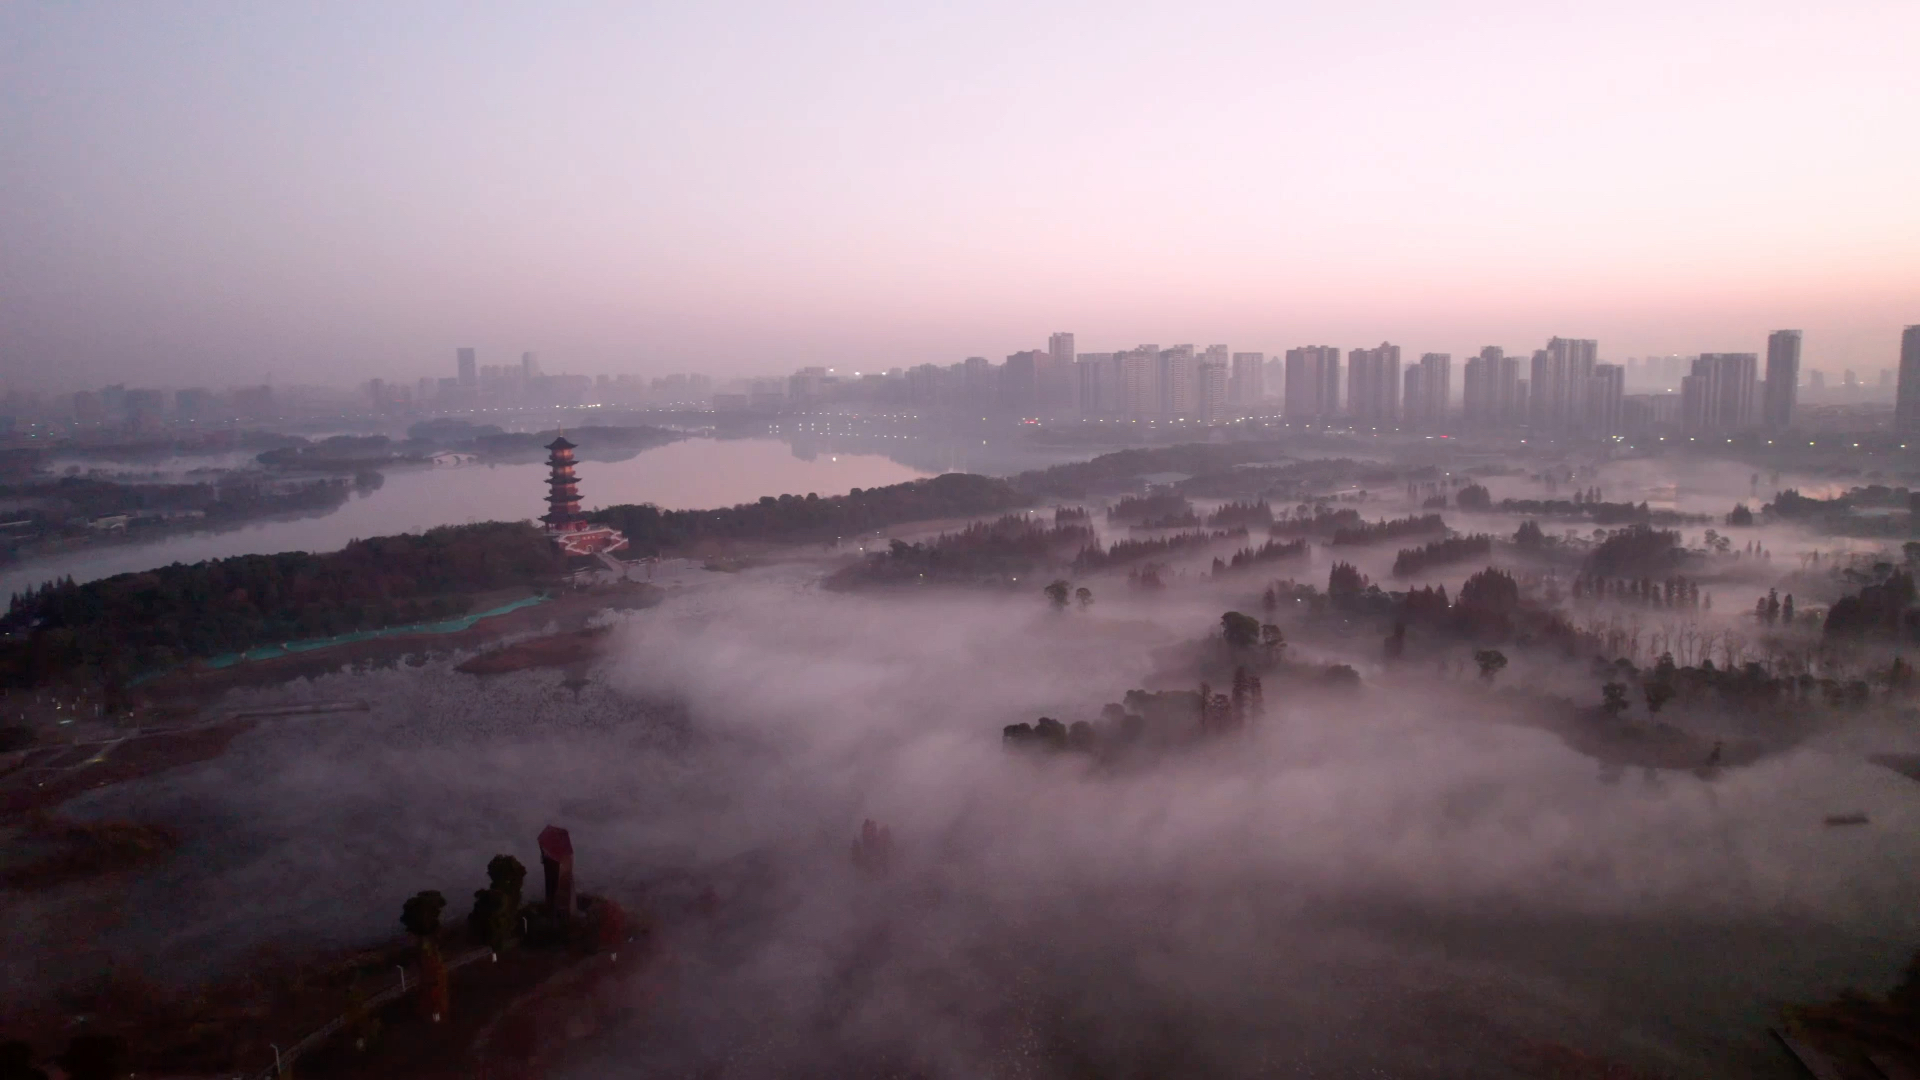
point(565, 524)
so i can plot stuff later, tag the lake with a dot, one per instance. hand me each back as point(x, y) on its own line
point(690, 474)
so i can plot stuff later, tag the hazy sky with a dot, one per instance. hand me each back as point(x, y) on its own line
point(210, 192)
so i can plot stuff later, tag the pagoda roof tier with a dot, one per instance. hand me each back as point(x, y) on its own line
point(560, 443)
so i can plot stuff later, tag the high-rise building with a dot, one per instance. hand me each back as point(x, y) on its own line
point(979, 382)
point(194, 402)
point(1059, 389)
point(1783, 379)
point(1248, 385)
point(1060, 348)
point(1373, 384)
point(1312, 383)
point(1140, 383)
point(1178, 399)
point(1211, 392)
point(1560, 379)
point(1718, 395)
point(1020, 381)
point(1100, 376)
point(469, 370)
point(529, 365)
point(1491, 389)
point(1606, 392)
point(1906, 409)
point(1425, 396)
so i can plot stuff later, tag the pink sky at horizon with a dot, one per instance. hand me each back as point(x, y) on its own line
point(194, 193)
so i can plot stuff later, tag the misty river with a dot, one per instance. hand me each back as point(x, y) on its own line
point(690, 474)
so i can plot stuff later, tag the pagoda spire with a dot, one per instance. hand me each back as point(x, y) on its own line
point(563, 490)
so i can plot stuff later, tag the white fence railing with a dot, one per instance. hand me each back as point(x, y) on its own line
point(284, 1059)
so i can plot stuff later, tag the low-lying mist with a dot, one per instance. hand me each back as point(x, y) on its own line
point(1381, 883)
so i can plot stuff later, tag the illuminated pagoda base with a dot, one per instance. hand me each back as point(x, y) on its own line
point(566, 526)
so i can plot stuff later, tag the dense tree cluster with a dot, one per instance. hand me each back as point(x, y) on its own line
point(129, 624)
point(1746, 685)
point(1877, 610)
point(1186, 520)
point(1271, 551)
point(1413, 561)
point(1636, 551)
point(495, 916)
point(1393, 529)
point(1204, 462)
point(1120, 552)
point(1257, 512)
point(1139, 508)
point(1528, 535)
point(1601, 513)
point(1839, 515)
point(1790, 505)
point(1003, 549)
point(1473, 497)
point(1072, 515)
point(1770, 609)
point(1485, 607)
point(652, 530)
point(1345, 579)
point(1490, 590)
point(1144, 717)
point(1149, 575)
point(1676, 592)
point(1317, 520)
point(64, 506)
point(333, 452)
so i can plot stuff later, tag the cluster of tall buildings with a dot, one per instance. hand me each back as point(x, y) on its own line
point(1562, 387)
point(1147, 382)
point(1176, 383)
point(524, 384)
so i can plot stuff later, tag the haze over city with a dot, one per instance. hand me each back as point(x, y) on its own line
point(594, 541)
point(197, 194)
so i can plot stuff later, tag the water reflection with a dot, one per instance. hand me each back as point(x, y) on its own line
point(690, 474)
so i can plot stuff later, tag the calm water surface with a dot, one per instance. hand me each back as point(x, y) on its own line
point(691, 474)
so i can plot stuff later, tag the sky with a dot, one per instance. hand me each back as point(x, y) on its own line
point(210, 193)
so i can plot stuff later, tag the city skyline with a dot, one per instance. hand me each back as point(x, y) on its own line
point(199, 199)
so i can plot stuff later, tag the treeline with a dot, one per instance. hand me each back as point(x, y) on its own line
point(1123, 469)
point(1323, 521)
point(1271, 551)
point(119, 627)
point(1242, 513)
point(1094, 557)
point(1636, 551)
point(1001, 549)
point(1676, 592)
point(1747, 685)
point(789, 518)
point(1879, 610)
point(1188, 520)
point(1388, 530)
point(1071, 515)
point(1149, 507)
point(1488, 605)
point(1151, 718)
point(1602, 513)
point(1289, 481)
point(1412, 561)
point(70, 502)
